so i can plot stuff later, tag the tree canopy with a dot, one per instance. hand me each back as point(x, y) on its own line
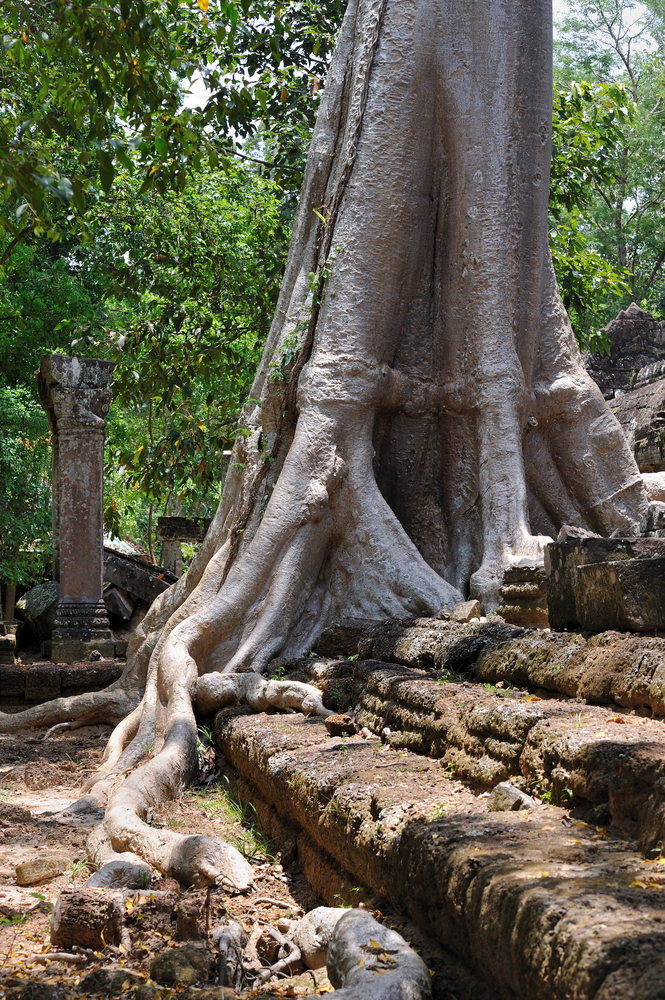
point(612, 52)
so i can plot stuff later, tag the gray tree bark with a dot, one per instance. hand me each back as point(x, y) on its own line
point(421, 419)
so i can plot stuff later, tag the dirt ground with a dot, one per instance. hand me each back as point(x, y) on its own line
point(40, 777)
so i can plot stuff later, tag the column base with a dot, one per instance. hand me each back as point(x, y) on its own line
point(81, 630)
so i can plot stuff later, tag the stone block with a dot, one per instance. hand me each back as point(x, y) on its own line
point(342, 638)
point(628, 595)
point(88, 676)
point(654, 520)
point(182, 529)
point(73, 650)
point(42, 682)
point(117, 603)
point(340, 725)
point(91, 918)
point(562, 560)
point(42, 868)
point(141, 580)
point(12, 681)
point(464, 612)
point(524, 596)
point(38, 607)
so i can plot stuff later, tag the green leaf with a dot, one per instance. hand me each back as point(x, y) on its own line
point(106, 169)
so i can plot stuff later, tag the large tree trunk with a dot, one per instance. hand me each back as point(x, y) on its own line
point(421, 419)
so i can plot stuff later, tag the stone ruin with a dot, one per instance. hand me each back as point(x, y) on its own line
point(637, 341)
point(76, 394)
point(587, 583)
point(97, 592)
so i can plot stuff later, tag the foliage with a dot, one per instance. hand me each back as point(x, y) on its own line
point(612, 43)
point(588, 130)
point(179, 290)
point(86, 90)
point(25, 517)
point(192, 287)
point(129, 228)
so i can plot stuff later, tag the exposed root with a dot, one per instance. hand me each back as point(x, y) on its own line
point(367, 961)
point(214, 691)
point(109, 706)
point(364, 959)
point(230, 939)
point(290, 959)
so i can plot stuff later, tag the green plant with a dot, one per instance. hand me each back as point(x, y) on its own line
point(447, 676)
point(13, 920)
point(276, 673)
point(5, 795)
point(438, 811)
point(81, 868)
point(204, 740)
point(222, 801)
point(334, 806)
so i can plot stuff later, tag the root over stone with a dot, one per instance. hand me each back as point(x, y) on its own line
point(421, 418)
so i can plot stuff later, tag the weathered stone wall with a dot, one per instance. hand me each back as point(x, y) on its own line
point(636, 340)
point(543, 910)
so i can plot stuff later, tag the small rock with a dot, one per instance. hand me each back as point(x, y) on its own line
point(121, 875)
point(42, 868)
point(38, 991)
point(340, 725)
point(208, 993)
point(465, 611)
point(110, 980)
point(183, 966)
point(505, 797)
point(96, 655)
point(187, 920)
point(145, 992)
point(568, 531)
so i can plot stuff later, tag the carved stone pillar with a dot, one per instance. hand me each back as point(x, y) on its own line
point(76, 395)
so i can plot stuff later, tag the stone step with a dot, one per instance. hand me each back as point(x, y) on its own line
point(572, 753)
point(543, 907)
point(611, 668)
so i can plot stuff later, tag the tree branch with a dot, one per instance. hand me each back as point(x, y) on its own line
point(11, 246)
point(660, 260)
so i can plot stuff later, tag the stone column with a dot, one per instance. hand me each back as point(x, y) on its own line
point(76, 395)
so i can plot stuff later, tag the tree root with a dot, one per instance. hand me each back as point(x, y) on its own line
point(367, 961)
point(109, 706)
point(230, 939)
point(214, 691)
point(130, 792)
